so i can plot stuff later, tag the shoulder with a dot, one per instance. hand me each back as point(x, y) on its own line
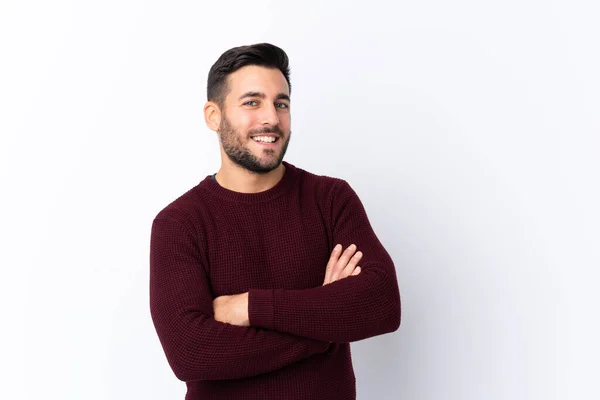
point(186, 208)
point(322, 184)
point(334, 195)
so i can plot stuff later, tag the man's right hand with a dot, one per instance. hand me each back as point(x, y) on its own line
point(342, 264)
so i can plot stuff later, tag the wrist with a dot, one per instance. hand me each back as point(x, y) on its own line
point(245, 313)
point(260, 308)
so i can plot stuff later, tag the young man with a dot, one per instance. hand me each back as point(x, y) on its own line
point(255, 284)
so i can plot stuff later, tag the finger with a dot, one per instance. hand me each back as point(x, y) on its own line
point(347, 271)
point(332, 260)
point(356, 271)
point(342, 262)
point(345, 258)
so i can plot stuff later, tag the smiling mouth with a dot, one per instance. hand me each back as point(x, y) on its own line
point(265, 139)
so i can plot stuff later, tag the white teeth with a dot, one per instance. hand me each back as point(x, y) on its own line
point(266, 139)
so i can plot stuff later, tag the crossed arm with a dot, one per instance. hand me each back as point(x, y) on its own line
point(233, 309)
point(205, 338)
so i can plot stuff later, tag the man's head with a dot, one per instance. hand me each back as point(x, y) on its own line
point(249, 105)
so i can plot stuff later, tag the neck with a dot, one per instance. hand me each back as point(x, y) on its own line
point(233, 177)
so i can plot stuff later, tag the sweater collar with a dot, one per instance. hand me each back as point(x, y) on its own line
point(211, 186)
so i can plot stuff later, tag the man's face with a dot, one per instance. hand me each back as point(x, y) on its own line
point(256, 111)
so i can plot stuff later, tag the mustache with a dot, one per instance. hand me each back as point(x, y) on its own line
point(274, 129)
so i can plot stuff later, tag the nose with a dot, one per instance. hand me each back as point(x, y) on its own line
point(269, 115)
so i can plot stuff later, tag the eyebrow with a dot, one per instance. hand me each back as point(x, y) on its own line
point(280, 96)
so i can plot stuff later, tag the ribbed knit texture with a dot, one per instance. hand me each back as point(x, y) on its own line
point(275, 245)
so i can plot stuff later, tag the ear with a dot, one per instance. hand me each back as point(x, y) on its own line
point(212, 115)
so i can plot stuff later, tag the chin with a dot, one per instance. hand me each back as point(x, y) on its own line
point(266, 167)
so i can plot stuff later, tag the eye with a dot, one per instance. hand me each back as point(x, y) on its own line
point(282, 105)
point(251, 103)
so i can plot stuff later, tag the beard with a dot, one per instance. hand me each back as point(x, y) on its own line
point(240, 154)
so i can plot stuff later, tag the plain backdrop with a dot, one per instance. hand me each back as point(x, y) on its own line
point(469, 129)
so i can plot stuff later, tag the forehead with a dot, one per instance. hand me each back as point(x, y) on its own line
point(254, 78)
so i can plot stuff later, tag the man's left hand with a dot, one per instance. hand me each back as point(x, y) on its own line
point(232, 309)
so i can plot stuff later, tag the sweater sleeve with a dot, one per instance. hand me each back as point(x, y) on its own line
point(350, 309)
point(197, 346)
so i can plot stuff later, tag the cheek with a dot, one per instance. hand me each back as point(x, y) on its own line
point(245, 122)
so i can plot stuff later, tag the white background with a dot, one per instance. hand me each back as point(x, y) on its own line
point(469, 129)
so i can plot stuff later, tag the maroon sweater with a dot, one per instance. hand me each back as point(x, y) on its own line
point(275, 245)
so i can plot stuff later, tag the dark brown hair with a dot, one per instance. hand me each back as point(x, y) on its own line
point(264, 54)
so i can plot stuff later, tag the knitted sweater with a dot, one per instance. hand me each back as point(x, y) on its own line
point(274, 245)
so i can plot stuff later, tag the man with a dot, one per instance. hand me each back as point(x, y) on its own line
point(255, 284)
